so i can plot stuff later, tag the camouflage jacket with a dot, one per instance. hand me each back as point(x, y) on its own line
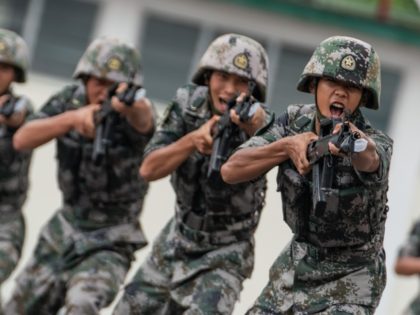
point(359, 218)
point(215, 213)
point(411, 248)
point(14, 167)
point(107, 193)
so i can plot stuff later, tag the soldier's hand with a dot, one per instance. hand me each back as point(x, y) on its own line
point(334, 150)
point(296, 148)
point(84, 120)
point(16, 119)
point(254, 123)
point(202, 137)
point(116, 104)
point(256, 113)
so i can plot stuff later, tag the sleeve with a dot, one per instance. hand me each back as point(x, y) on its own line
point(384, 149)
point(274, 130)
point(136, 136)
point(411, 248)
point(57, 104)
point(170, 128)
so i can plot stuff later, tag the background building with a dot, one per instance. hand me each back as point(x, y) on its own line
point(172, 35)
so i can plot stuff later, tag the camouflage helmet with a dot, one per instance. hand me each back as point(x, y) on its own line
point(239, 55)
point(13, 51)
point(112, 59)
point(348, 60)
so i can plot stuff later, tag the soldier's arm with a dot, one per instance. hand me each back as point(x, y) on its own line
point(37, 132)
point(140, 115)
point(407, 266)
point(163, 161)
point(249, 163)
point(367, 161)
point(408, 262)
point(257, 121)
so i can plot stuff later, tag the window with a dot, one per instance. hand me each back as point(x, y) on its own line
point(12, 14)
point(286, 76)
point(167, 51)
point(64, 35)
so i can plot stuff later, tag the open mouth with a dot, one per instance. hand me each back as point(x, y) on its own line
point(336, 110)
point(223, 105)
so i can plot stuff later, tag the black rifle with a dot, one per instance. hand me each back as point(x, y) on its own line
point(323, 162)
point(224, 131)
point(106, 117)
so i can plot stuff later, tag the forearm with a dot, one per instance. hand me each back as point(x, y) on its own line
point(164, 161)
point(38, 132)
point(249, 163)
point(407, 266)
point(140, 116)
point(367, 160)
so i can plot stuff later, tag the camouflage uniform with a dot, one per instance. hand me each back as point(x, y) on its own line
point(14, 166)
point(335, 263)
point(205, 252)
point(412, 249)
point(86, 248)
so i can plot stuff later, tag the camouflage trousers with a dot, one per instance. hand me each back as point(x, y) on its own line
point(12, 236)
point(302, 282)
point(183, 277)
point(60, 280)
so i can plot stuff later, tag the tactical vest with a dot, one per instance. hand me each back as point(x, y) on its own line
point(14, 169)
point(110, 188)
point(353, 217)
point(216, 214)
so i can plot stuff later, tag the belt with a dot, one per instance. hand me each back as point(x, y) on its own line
point(214, 238)
point(215, 222)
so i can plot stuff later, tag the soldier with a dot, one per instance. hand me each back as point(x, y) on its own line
point(86, 248)
point(205, 252)
point(14, 166)
point(335, 262)
point(408, 264)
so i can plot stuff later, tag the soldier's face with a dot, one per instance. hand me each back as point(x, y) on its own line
point(97, 89)
point(333, 97)
point(224, 86)
point(7, 75)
